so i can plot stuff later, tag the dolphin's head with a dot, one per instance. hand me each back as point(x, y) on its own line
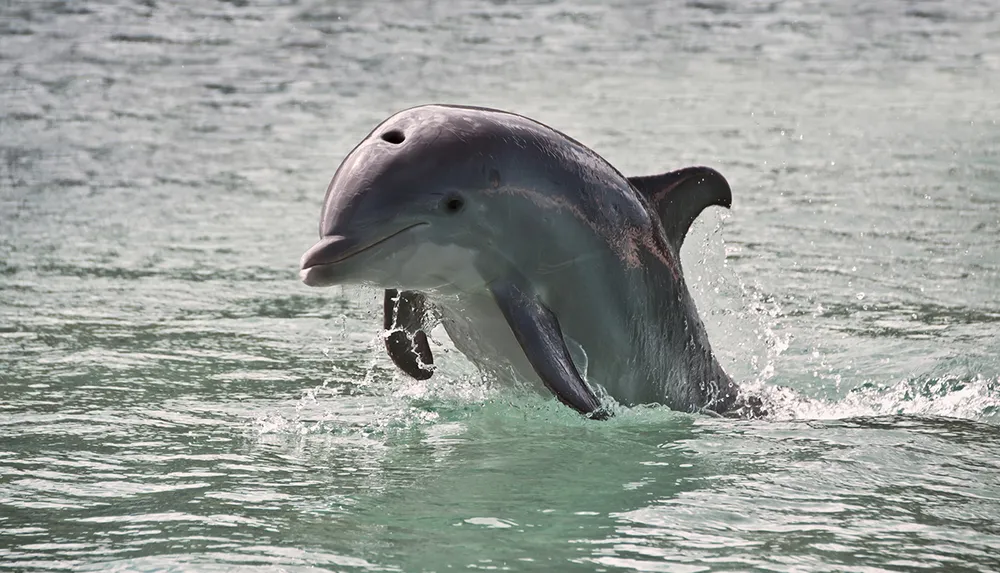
point(414, 204)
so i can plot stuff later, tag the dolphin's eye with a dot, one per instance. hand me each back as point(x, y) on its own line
point(453, 204)
point(393, 136)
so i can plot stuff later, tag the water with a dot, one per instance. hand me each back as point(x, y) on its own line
point(172, 398)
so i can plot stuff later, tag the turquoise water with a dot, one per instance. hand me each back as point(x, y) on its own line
point(172, 398)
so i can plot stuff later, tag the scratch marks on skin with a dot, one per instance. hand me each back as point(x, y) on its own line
point(459, 134)
point(638, 237)
point(627, 244)
point(663, 193)
point(549, 269)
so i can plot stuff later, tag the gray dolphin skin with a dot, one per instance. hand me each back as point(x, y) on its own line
point(545, 265)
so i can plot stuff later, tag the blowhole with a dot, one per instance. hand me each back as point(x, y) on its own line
point(454, 204)
point(393, 136)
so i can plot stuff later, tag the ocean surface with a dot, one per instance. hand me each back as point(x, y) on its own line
point(173, 398)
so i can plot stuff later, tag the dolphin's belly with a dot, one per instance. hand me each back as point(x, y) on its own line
point(619, 334)
point(479, 331)
point(635, 343)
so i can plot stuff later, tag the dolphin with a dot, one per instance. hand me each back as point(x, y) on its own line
point(544, 264)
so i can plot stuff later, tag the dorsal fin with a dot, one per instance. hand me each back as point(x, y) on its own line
point(680, 196)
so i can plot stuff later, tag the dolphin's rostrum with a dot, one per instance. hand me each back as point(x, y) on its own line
point(544, 264)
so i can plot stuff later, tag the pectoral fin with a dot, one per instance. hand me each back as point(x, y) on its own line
point(537, 331)
point(405, 341)
point(579, 356)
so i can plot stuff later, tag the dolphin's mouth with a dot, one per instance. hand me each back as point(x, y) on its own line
point(337, 249)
